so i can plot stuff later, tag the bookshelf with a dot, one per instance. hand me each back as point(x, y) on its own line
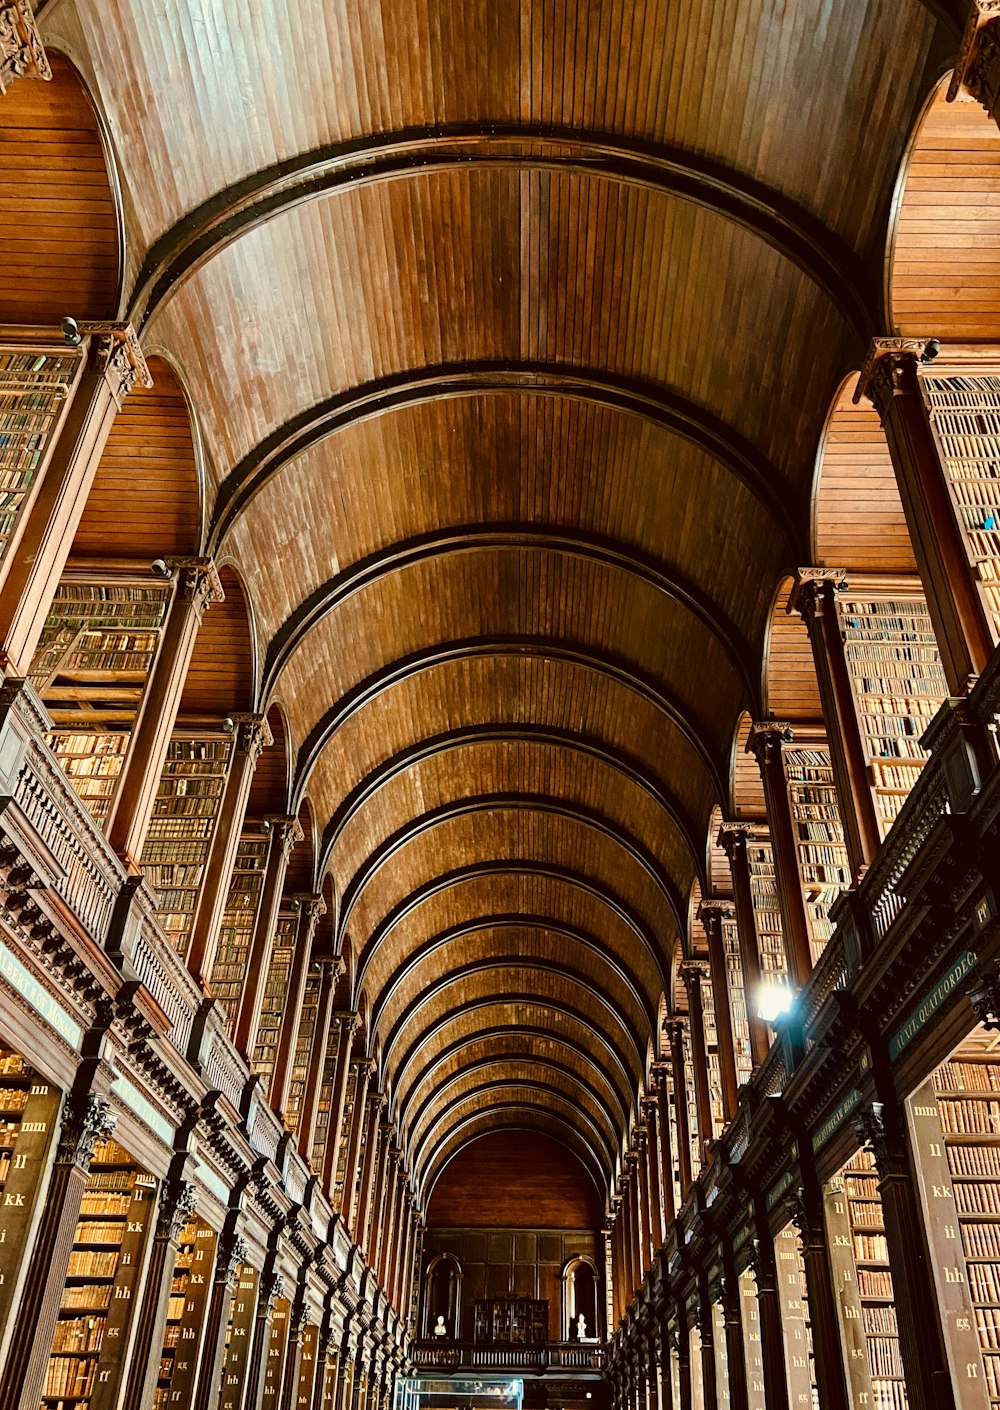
point(691, 1098)
point(303, 1049)
point(28, 1109)
point(824, 869)
point(34, 388)
point(91, 1335)
point(723, 1399)
point(897, 682)
point(964, 414)
point(874, 1281)
point(752, 1350)
point(324, 1100)
point(190, 1288)
point(230, 965)
point(239, 1336)
point(737, 999)
point(766, 907)
point(181, 829)
point(272, 1011)
point(345, 1139)
point(277, 1348)
point(800, 1367)
point(90, 669)
point(712, 1054)
point(511, 1320)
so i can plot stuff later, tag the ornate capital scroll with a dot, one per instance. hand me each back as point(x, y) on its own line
point(232, 1253)
point(766, 738)
point(809, 596)
point(200, 583)
point(253, 735)
point(977, 67)
point(287, 829)
point(734, 837)
point(985, 999)
point(888, 363)
point(119, 355)
point(21, 51)
point(86, 1120)
point(177, 1203)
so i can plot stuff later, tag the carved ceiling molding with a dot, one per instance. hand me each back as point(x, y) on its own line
point(470, 736)
point(463, 540)
point(22, 54)
point(787, 227)
point(651, 402)
point(509, 802)
point(523, 647)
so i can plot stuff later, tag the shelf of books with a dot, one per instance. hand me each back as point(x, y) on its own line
point(955, 1120)
point(239, 1337)
point(35, 386)
point(766, 907)
point(303, 1048)
point(340, 1174)
point(712, 1054)
point(824, 869)
point(874, 1280)
point(722, 1396)
point(28, 1109)
point(898, 685)
point(90, 669)
point(800, 1367)
point(181, 829)
point(690, 1097)
point(273, 1007)
point(964, 414)
point(324, 1099)
point(236, 932)
point(190, 1288)
point(277, 1348)
point(87, 1357)
point(737, 999)
point(752, 1352)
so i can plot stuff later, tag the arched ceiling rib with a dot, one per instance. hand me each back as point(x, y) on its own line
point(511, 333)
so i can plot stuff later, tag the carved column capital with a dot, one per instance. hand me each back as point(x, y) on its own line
point(253, 735)
point(349, 1023)
point(713, 912)
point(118, 355)
point(310, 906)
point(978, 65)
point(985, 999)
point(178, 1201)
point(766, 738)
point(874, 1132)
point(21, 51)
point(692, 973)
point(272, 1288)
point(86, 1119)
point(232, 1253)
point(888, 366)
point(200, 582)
point(812, 591)
point(734, 838)
point(287, 829)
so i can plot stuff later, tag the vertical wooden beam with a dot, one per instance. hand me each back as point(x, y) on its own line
point(813, 597)
point(369, 1168)
point(642, 1199)
point(729, 1292)
point(310, 908)
point(653, 1166)
point(765, 744)
point(806, 1209)
point(711, 913)
point(230, 1253)
point(674, 1028)
point(959, 614)
point(35, 561)
point(252, 737)
point(359, 1125)
point(330, 972)
point(348, 1024)
point(660, 1070)
point(709, 1386)
point(692, 973)
point(734, 839)
point(285, 832)
point(772, 1341)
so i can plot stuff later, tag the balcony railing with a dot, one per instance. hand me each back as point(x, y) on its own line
point(452, 1356)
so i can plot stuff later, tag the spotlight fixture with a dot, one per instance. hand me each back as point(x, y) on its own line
point(71, 332)
point(931, 349)
point(774, 1000)
point(160, 568)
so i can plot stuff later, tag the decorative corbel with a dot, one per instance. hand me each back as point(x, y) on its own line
point(21, 52)
point(978, 65)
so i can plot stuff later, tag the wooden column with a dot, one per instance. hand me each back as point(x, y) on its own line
point(251, 738)
point(229, 1255)
point(176, 1205)
point(642, 1198)
point(692, 973)
point(881, 1128)
point(706, 1324)
point(370, 1155)
point(310, 908)
point(617, 1260)
point(285, 832)
point(959, 614)
point(806, 1209)
point(772, 1342)
point(660, 1070)
point(86, 1119)
point(404, 1235)
point(384, 1173)
point(270, 1292)
point(682, 1347)
point(711, 914)
point(359, 1123)
point(729, 1292)
point(389, 1231)
point(978, 65)
point(675, 1032)
point(813, 598)
point(653, 1163)
point(135, 793)
point(348, 1024)
point(734, 838)
point(35, 560)
point(634, 1226)
point(766, 739)
point(330, 971)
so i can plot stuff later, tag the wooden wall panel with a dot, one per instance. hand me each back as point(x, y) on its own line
point(515, 1180)
point(220, 678)
point(791, 687)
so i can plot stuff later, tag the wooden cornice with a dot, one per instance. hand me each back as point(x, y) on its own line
point(472, 735)
point(605, 664)
point(781, 223)
point(653, 403)
point(425, 822)
point(463, 540)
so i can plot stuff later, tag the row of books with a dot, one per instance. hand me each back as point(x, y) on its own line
point(981, 1240)
point(883, 1356)
point(71, 1376)
point(977, 1196)
point(970, 1115)
point(79, 1334)
point(967, 1076)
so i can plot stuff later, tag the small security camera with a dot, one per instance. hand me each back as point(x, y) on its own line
point(931, 350)
point(228, 725)
point(71, 331)
point(160, 568)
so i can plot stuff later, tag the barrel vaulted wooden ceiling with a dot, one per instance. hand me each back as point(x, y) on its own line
point(510, 331)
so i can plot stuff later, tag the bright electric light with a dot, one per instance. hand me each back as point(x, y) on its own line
point(774, 999)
